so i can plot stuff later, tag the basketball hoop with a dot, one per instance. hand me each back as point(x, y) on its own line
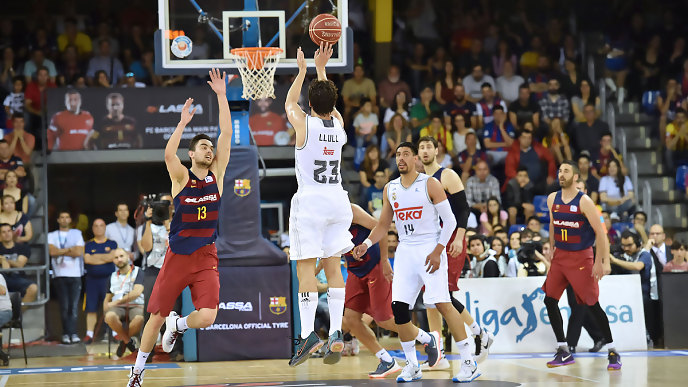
point(257, 68)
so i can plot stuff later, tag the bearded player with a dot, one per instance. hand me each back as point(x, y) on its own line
point(191, 258)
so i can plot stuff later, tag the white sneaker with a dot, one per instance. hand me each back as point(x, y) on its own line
point(441, 365)
point(66, 340)
point(409, 373)
point(486, 340)
point(468, 373)
point(355, 347)
point(75, 339)
point(171, 333)
point(135, 380)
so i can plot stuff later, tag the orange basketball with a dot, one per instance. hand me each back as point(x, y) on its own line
point(325, 28)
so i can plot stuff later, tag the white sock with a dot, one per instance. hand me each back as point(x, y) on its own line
point(563, 345)
point(464, 348)
point(181, 324)
point(384, 356)
point(308, 303)
point(335, 300)
point(409, 348)
point(423, 337)
point(610, 83)
point(141, 361)
point(89, 334)
point(475, 328)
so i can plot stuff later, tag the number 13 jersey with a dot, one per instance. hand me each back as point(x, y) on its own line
point(318, 161)
point(415, 216)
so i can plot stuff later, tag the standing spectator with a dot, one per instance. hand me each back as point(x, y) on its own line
point(396, 133)
point(554, 104)
point(492, 217)
point(585, 96)
point(444, 87)
point(355, 89)
point(5, 315)
point(107, 62)
point(498, 136)
point(508, 83)
point(524, 109)
point(590, 180)
point(391, 86)
point(680, 262)
point(487, 105)
point(20, 196)
point(469, 157)
point(503, 56)
point(537, 159)
point(605, 153)
point(557, 142)
point(16, 255)
point(120, 231)
point(98, 255)
point(571, 79)
point(70, 128)
point(14, 101)
point(374, 194)
point(459, 132)
point(21, 142)
point(37, 61)
point(481, 187)
point(34, 96)
point(657, 245)
point(66, 252)
point(21, 225)
point(519, 197)
point(648, 65)
point(439, 132)
point(586, 135)
point(668, 103)
point(676, 141)
point(459, 105)
point(474, 83)
point(616, 190)
point(423, 110)
point(365, 124)
point(399, 105)
point(9, 162)
point(475, 57)
point(72, 36)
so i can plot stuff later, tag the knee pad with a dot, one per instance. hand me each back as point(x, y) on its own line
point(401, 312)
point(457, 304)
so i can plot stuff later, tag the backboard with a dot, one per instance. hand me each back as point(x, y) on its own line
point(195, 35)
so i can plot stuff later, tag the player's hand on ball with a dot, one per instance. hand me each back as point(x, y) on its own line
point(322, 55)
point(360, 251)
point(217, 82)
point(432, 262)
point(187, 114)
point(456, 247)
point(301, 60)
point(387, 270)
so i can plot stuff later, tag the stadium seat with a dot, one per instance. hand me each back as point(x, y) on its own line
point(541, 210)
point(681, 173)
point(516, 227)
point(649, 101)
point(622, 226)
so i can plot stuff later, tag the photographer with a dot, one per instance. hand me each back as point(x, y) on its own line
point(531, 260)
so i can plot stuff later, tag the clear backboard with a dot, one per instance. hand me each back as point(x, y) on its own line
point(195, 35)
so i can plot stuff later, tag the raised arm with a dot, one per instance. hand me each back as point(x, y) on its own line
point(224, 141)
point(296, 116)
point(321, 56)
point(175, 168)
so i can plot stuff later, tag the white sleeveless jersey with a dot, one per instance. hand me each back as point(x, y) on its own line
point(318, 161)
point(415, 216)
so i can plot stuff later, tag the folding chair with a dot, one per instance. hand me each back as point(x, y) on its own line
point(16, 321)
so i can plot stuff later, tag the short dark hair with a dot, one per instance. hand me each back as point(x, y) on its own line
point(196, 139)
point(524, 85)
point(390, 232)
point(3, 141)
point(63, 211)
point(431, 139)
point(628, 233)
point(573, 166)
point(522, 168)
point(363, 101)
point(322, 95)
point(533, 218)
point(409, 145)
point(680, 110)
point(121, 204)
point(486, 84)
point(583, 155)
point(42, 68)
point(525, 131)
point(585, 185)
point(497, 107)
point(589, 104)
point(5, 225)
point(640, 213)
point(476, 237)
point(17, 115)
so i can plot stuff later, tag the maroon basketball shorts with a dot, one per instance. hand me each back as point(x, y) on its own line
point(371, 294)
point(575, 268)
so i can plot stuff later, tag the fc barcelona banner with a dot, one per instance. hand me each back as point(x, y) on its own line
point(126, 118)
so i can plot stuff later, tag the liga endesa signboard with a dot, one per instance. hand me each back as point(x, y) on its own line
point(514, 310)
point(126, 118)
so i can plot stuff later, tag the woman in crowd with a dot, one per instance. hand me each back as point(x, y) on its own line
point(21, 225)
point(492, 217)
point(399, 106)
point(557, 141)
point(616, 190)
point(585, 95)
point(444, 87)
point(514, 246)
point(20, 197)
point(371, 164)
point(497, 251)
point(397, 132)
point(443, 158)
point(460, 128)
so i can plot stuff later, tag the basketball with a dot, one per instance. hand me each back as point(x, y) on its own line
point(325, 28)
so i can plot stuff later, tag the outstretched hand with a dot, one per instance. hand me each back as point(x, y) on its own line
point(217, 82)
point(187, 113)
point(322, 55)
point(301, 60)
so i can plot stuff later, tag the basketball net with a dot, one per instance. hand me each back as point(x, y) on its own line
point(257, 68)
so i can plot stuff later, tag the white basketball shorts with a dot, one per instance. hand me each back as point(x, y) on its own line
point(410, 275)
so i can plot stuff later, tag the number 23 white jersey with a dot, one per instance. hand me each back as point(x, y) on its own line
point(318, 161)
point(415, 216)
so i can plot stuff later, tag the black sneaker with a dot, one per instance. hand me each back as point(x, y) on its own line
point(304, 349)
point(335, 345)
point(384, 369)
point(121, 349)
point(614, 361)
point(131, 345)
point(434, 355)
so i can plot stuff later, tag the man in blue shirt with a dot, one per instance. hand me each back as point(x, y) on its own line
point(98, 255)
point(498, 136)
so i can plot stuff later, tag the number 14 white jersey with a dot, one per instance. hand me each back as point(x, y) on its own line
point(318, 161)
point(415, 216)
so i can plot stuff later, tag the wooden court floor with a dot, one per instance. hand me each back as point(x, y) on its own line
point(668, 368)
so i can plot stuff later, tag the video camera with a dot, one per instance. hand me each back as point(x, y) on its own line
point(161, 208)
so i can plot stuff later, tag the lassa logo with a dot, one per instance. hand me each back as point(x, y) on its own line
point(174, 108)
point(238, 305)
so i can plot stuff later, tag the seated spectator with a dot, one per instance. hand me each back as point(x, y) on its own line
point(657, 246)
point(469, 157)
point(34, 96)
point(585, 174)
point(37, 61)
point(677, 141)
point(557, 142)
point(586, 95)
point(16, 255)
point(612, 234)
point(443, 157)
point(72, 36)
point(70, 67)
point(124, 298)
point(459, 105)
point(474, 83)
point(21, 197)
point(101, 79)
point(98, 255)
point(539, 78)
point(370, 165)
point(534, 157)
point(399, 105)
point(10, 162)
point(519, 197)
point(422, 112)
point(20, 223)
point(533, 224)
point(605, 153)
point(397, 132)
point(487, 105)
point(14, 101)
point(554, 104)
point(459, 132)
point(502, 56)
point(439, 132)
point(512, 262)
point(131, 81)
point(498, 136)
point(498, 252)
point(21, 143)
point(529, 58)
point(508, 84)
point(481, 187)
point(391, 86)
point(571, 78)
point(418, 67)
point(616, 190)
point(365, 124)
point(524, 109)
point(586, 135)
point(473, 57)
point(105, 61)
point(374, 194)
point(5, 315)
point(444, 87)
point(680, 261)
point(355, 89)
point(492, 216)
point(483, 265)
point(639, 222)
